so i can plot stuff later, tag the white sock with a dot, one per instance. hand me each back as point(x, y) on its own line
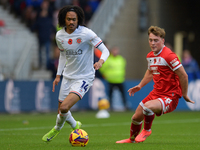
point(60, 121)
point(65, 117)
point(70, 120)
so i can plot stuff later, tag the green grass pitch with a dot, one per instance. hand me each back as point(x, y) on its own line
point(173, 131)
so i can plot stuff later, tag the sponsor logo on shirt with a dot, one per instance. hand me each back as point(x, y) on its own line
point(71, 52)
point(154, 70)
point(174, 62)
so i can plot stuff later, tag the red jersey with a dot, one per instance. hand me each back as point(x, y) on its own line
point(162, 66)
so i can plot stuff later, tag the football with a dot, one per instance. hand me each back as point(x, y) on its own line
point(103, 104)
point(78, 138)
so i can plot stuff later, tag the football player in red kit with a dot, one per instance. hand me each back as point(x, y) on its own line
point(170, 84)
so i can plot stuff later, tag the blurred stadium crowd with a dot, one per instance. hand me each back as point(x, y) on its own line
point(29, 10)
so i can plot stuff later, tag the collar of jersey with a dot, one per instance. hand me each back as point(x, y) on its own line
point(159, 51)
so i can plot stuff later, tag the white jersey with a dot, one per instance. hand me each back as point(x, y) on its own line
point(78, 49)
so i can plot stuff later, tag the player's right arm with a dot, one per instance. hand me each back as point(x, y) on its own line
point(61, 62)
point(61, 65)
point(55, 82)
point(146, 79)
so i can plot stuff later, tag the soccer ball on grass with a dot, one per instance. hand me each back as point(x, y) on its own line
point(79, 137)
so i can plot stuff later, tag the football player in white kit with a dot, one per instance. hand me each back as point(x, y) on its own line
point(76, 43)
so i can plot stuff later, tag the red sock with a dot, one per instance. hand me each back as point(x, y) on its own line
point(134, 130)
point(148, 120)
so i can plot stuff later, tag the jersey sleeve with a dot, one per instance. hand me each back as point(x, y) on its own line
point(97, 42)
point(61, 63)
point(105, 52)
point(94, 39)
point(173, 61)
point(62, 57)
point(58, 42)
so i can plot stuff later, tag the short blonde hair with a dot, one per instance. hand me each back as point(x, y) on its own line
point(157, 31)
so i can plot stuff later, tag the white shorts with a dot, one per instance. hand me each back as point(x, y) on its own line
point(79, 87)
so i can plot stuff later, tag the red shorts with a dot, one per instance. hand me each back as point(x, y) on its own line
point(169, 104)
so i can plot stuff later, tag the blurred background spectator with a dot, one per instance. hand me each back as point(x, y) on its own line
point(113, 72)
point(191, 66)
point(28, 10)
point(45, 31)
point(53, 63)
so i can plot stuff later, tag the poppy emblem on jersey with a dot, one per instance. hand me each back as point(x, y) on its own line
point(154, 61)
point(78, 40)
point(70, 41)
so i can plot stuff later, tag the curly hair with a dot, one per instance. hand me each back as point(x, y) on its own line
point(157, 31)
point(63, 11)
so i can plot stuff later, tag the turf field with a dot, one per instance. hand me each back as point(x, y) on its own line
point(174, 131)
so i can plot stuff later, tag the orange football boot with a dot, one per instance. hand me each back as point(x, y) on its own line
point(142, 136)
point(125, 141)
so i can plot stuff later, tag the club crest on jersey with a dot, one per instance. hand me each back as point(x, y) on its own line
point(78, 40)
point(70, 41)
point(62, 42)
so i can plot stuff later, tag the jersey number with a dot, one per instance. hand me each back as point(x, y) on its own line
point(167, 101)
point(84, 86)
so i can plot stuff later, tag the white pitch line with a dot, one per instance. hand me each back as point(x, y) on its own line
point(108, 124)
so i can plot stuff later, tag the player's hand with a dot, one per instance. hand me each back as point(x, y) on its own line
point(133, 90)
point(98, 64)
point(55, 82)
point(187, 99)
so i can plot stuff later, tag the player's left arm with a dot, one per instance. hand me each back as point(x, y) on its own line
point(97, 42)
point(183, 79)
point(103, 58)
